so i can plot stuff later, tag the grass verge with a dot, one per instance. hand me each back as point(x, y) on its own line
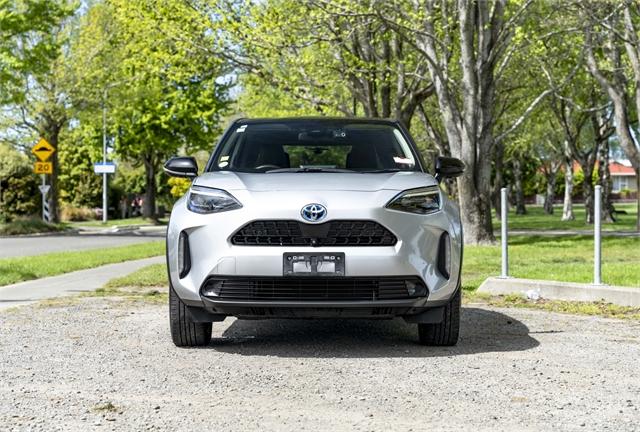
point(576, 308)
point(29, 226)
point(151, 276)
point(536, 219)
point(566, 259)
point(19, 269)
point(148, 284)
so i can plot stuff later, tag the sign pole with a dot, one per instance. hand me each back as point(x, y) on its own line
point(44, 199)
point(43, 150)
point(104, 157)
point(44, 189)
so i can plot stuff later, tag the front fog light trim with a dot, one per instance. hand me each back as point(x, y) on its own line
point(415, 288)
point(444, 255)
point(184, 255)
point(212, 288)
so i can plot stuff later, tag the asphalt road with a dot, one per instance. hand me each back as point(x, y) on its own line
point(105, 364)
point(36, 245)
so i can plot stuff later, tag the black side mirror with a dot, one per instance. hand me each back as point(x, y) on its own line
point(448, 167)
point(183, 166)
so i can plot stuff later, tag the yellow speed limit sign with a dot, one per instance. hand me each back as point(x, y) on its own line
point(43, 168)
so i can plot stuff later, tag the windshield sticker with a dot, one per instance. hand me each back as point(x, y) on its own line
point(224, 158)
point(241, 129)
point(402, 160)
point(223, 164)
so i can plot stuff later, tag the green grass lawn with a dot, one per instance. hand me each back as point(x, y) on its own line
point(567, 259)
point(151, 276)
point(118, 222)
point(19, 269)
point(536, 219)
point(29, 226)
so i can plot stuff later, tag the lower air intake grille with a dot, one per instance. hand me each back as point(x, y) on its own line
point(314, 289)
point(294, 233)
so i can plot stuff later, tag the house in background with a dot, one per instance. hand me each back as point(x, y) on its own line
point(623, 176)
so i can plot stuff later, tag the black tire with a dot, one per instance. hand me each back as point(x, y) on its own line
point(444, 333)
point(185, 332)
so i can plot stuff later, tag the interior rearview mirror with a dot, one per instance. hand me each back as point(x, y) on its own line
point(182, 166)
point(448, 167)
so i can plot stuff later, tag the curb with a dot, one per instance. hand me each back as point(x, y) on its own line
point(125, 229)
point(569, 291)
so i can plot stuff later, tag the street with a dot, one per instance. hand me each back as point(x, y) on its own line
point(36, 245)
point(110, 364)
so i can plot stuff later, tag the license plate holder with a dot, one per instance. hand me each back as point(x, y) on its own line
point(313, 264)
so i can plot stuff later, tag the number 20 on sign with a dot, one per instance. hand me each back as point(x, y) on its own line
point(43, 168)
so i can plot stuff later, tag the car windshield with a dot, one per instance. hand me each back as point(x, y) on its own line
point(314, 146)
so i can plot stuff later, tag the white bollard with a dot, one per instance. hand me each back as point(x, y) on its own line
point(504, 211)
point(597, 244)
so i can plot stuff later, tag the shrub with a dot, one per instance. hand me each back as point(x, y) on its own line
point(28, 226)
point(19, 194)
point(70, 213)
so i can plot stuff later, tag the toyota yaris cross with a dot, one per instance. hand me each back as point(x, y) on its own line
point(314, 218)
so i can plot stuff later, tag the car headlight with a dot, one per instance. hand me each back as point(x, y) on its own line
point(205, 200)
point(421, 201)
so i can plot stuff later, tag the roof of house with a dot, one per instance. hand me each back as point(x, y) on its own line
point(620, 169)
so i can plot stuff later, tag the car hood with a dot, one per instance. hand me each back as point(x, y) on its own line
point(363, 182)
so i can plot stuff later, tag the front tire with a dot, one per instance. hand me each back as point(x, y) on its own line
point(185, 332)
point(445, 333)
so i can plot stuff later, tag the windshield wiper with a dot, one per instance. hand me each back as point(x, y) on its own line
point(387, 170)
point(309, 170)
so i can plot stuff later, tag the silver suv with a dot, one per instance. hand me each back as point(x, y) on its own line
point(314, 218)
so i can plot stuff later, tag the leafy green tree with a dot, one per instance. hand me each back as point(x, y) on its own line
point(611, 32)
point(161, 97)
point(28, 41)
point(19, 194)
point(78, 184)
point(32, 74)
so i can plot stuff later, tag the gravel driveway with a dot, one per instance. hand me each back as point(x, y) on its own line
point(104, 364)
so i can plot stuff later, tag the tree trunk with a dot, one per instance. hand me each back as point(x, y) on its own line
point(550, 193)
point(567, 207)
point(638, 199)
point(475, 212)
point(604, 180)
point(498, 179)
point(587, 187)
point(52, 198)
point(517, 173)
point(149, 207)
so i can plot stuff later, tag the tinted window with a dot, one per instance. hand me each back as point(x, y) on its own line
point(264, 147)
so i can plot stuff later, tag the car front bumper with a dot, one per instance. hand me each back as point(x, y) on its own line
point(414, 255)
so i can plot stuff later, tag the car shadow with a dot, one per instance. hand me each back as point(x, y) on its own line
point(481, 331)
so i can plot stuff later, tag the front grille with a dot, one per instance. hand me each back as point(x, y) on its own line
point(314, 289)
point(294, 233)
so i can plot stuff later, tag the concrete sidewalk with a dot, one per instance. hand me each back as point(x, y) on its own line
point(69, 284)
